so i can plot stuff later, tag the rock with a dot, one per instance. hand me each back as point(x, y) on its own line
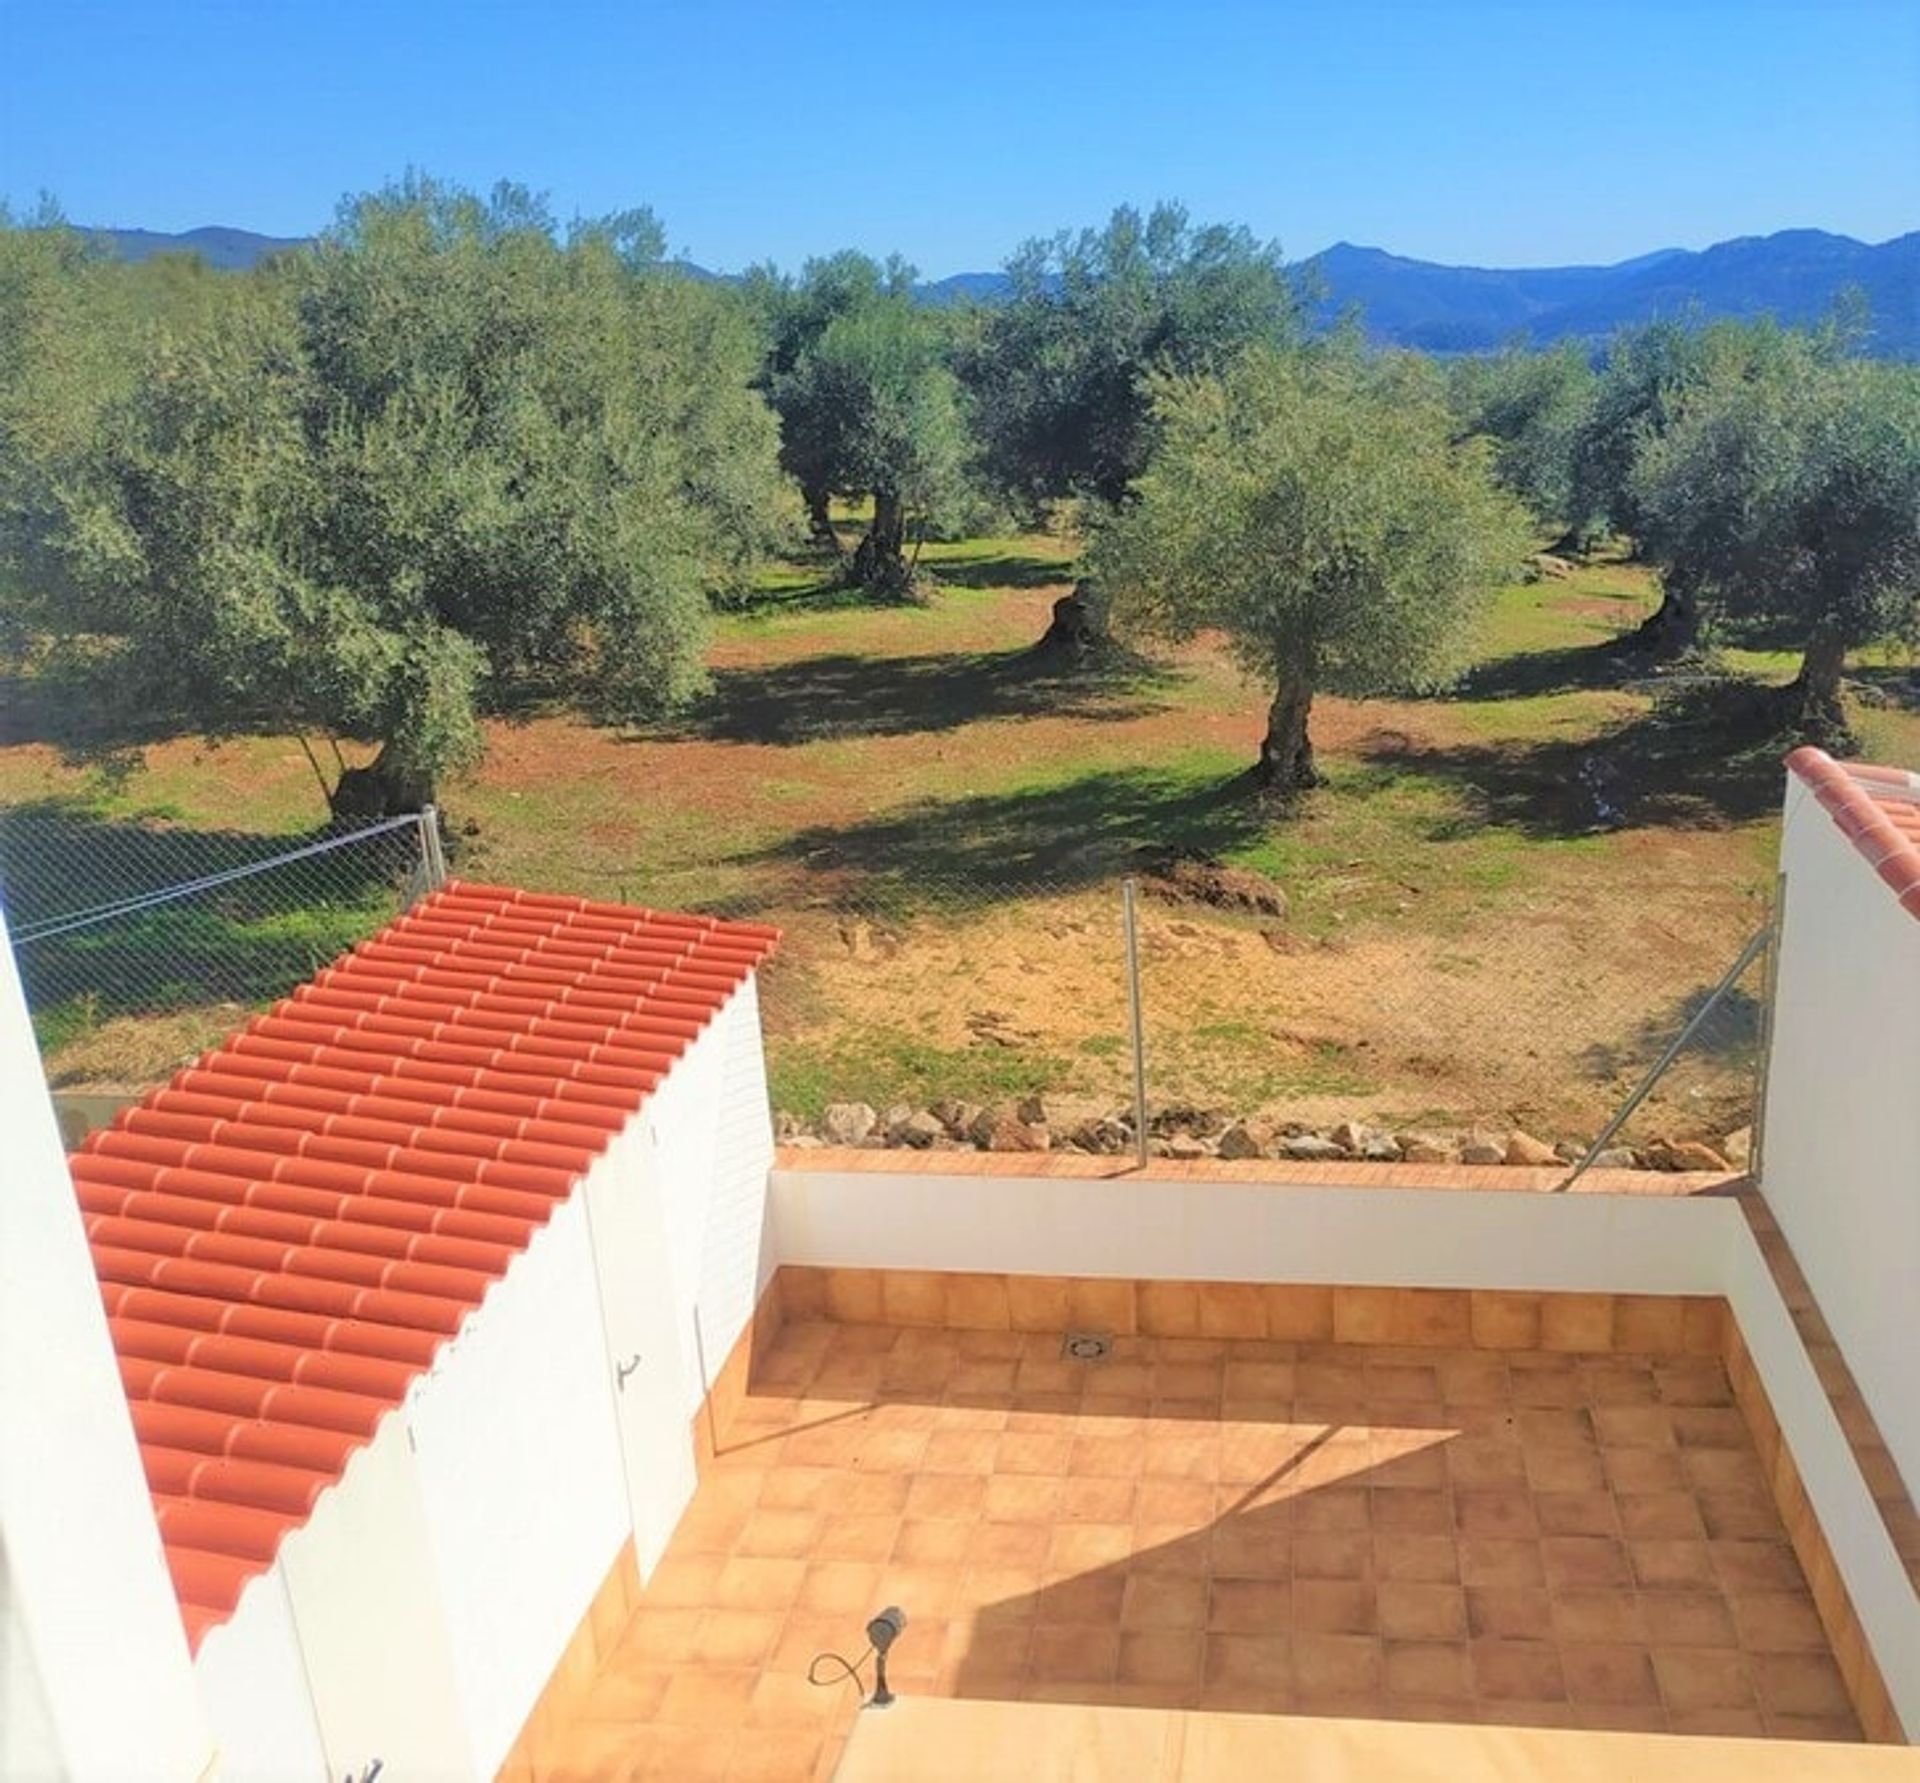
point(1737, 1148)
point(1350, 1136)
point(957, 1117)
point(1546, 563)
point(857, 938)
point(1423, 1148)
point(1310, 1148)
point(806, 1141)
point(1012, 1135)
point(1569, 1153)
point(1685, 1154)
point(1379, 1149)
point(920, 1130)
point(1482, 1148)
point(1105, 1136)
point(1523, 1148)
point(1243, 1139)
point(786, 1126)
point(1184, 1145)
point(1614, 1157)
point(1033, 1110)
point(980, 1128)
point(847, 1123)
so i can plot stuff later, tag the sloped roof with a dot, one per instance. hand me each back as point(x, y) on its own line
point(1876, 809)
point(287, 1233)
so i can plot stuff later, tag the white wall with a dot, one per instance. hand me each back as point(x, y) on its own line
point(87, 1596)
point(1147, 1227)
point(1841, 1146)
point(367, 1612)
point(520, 1471)
point(714, 1135)
point(253, 1680)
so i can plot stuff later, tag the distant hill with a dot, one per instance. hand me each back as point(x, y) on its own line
point(1794, 275)
point(231, 250)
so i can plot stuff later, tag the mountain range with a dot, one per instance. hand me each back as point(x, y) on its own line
point(1794, 275)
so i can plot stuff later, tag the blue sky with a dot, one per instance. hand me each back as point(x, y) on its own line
point(1458, 130)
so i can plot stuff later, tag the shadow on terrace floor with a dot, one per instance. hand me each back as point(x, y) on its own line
point(1450, 1535)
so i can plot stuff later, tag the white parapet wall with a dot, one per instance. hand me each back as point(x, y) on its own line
point(93, 1656)
point(1841, 1141)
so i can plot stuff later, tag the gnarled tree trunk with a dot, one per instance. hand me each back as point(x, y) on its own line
point(1286, 752)
point(820, 519)
point(1812, 704)
point(1079, 627)
point(383, 788)
point(880, 562)
point(1672, 628)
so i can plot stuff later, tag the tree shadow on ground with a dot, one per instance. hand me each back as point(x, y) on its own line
point(1007, 571)
point(1894, 689)
point(252, 938)
point(1708, 759)
point(1048, 839)
point(1603, 667)
point(823, 697)
point(1729, 1036)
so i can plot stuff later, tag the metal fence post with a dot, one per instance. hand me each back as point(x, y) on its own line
point(432, 860)
point(1127, 904)
point(1769, 989)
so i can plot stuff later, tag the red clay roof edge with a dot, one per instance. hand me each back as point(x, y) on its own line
point(1855, 795)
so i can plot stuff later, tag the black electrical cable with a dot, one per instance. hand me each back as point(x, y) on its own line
point(849, 1669)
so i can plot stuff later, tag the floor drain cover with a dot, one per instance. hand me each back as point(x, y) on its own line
point(1085, 1346)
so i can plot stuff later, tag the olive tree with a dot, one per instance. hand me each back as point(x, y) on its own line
point(874, 395)
point(1315, 509)
point(1794, 497)
point(438, 462)
point(1061, 373)
point(1533, 406)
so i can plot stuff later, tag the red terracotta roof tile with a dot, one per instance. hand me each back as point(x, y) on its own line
point(287, 1232)
point(1876, 809)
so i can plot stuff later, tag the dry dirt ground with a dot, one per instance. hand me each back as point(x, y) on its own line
point(1497, 910)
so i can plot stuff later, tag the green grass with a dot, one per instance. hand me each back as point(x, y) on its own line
point(883, 1066)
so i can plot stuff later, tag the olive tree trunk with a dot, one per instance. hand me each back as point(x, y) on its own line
point(1672, 628)
point(820, 519)
point(383, 788)
point(880, 562)
point(1286, 752)
point(1812, 705)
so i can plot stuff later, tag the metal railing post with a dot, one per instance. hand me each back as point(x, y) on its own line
point(1769, 989)
point(1675, 1047)
point(1127, 904)
point(432, 860)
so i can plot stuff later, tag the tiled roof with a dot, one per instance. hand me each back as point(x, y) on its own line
point(289, 1230)
point(1877, 809)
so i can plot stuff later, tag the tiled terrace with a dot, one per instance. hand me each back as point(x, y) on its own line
point(1447, 1534)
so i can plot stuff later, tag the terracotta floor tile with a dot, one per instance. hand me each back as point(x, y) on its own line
point(1073, 1653)
point(1517, 1671)
point(1344, 1669)
point(1249, 1606)
point(1756, 1566)
point(1509, 1612)
point(1421, 1612)
point(1438, 1670)
point(1163, 1656)
point(1169, 1600)
point(1258, 1662)
point(1091, 1597)
point(1572, 1539)
point(1584, 1562)
point(1621, 1675)
point(701, 1695)
point(1778, 1622)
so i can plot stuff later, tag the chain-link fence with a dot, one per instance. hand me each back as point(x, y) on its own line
point(970, 1000)
point(998, 1007)
point(139, 944)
